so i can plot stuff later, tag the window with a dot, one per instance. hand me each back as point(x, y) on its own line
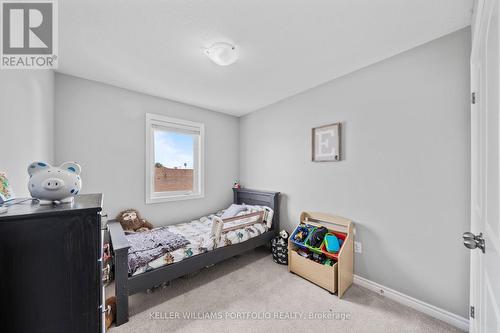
point(174, 166)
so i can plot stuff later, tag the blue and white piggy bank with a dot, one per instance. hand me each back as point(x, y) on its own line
point(52, 184)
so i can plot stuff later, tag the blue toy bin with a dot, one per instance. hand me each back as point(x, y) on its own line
point(299, 228)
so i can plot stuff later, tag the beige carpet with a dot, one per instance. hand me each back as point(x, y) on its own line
point(251, 285)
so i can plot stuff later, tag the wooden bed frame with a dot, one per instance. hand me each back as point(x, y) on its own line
point(126, 285)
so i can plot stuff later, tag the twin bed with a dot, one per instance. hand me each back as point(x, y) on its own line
point(200, 243)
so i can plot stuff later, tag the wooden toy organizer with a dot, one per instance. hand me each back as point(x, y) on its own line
point(336, 278)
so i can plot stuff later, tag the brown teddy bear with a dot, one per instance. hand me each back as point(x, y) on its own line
point(132, 222)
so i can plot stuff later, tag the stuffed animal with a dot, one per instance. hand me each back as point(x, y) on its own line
point(110, 311)
point(132, 222)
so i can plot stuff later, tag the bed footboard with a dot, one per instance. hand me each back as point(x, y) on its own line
point(120, 248)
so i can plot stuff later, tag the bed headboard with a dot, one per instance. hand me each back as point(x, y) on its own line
point(261, 198)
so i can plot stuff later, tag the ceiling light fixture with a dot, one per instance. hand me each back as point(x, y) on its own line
point(223, 54)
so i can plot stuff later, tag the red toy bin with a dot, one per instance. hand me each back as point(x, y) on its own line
point(330, 255)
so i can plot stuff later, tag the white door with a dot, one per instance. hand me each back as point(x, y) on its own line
point(485, 182)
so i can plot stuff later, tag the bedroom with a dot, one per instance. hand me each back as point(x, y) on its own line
point(381, 115)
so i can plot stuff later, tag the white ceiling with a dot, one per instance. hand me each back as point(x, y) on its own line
point(286, 46)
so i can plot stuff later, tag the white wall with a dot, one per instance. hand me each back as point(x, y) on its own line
point(26, 123)
point(103, 128)
point(404, 180)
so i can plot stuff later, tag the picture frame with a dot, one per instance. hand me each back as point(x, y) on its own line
point(327, 143)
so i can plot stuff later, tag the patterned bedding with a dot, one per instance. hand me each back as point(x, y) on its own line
point(147, 246)
point(199, 235)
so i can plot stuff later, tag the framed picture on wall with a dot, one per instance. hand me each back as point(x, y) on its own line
point(326, 143)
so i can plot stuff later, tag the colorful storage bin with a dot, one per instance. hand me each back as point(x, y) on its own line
point(340, 236)
point(302, 227)
point(335, 278)
point(312, 248)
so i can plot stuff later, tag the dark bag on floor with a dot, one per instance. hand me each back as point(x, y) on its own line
point(279, 249)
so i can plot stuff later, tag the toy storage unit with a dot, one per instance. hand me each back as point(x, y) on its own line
point(335, 278)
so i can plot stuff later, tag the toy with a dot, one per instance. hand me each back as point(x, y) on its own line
point(110, 311)
point(52, 184)
point(317, 236)
point(332, 243)
point(303, 253)
point(107, 259)
point(6, 193)
point(284, 234)
point(301, 235)
point(328, 262)
point(132, 222)
point(319, 258)
point(236, 185)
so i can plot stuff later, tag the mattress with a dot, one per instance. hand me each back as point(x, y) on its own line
point(199, 234)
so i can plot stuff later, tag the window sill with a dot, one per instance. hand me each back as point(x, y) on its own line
point(168, 198)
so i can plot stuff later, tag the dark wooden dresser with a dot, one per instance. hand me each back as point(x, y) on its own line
point(51, 267)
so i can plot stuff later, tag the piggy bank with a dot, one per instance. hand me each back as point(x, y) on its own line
point(52, 184)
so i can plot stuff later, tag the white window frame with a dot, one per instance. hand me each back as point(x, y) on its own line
point(158, 121)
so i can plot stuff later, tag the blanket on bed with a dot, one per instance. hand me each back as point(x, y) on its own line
point(148, 246)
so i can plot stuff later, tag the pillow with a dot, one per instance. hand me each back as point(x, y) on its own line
point(233, 210)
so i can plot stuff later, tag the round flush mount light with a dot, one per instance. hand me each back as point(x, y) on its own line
point(223, 54)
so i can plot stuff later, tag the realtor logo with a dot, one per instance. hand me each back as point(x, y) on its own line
point(29, 34)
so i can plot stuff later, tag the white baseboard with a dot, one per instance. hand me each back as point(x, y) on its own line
point(413, 303)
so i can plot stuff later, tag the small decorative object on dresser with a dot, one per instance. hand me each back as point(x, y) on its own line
point(6, 192)
point(326, 143)
point(54, 184)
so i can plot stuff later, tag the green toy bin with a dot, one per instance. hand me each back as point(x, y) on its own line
point(312, 248)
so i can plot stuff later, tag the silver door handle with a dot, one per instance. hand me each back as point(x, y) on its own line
point(472, 241)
